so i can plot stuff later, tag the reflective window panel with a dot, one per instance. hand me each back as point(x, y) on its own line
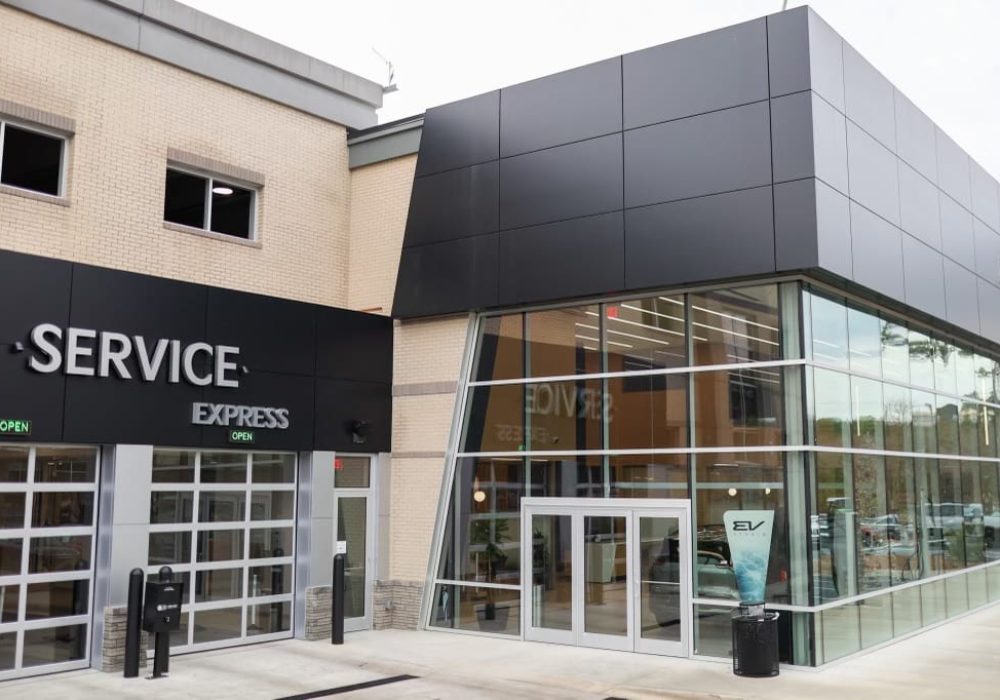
point(735, 325)
point(495, 610)
point(563, 341)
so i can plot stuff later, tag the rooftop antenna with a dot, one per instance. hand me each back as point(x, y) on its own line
point(390, 86)
point(784, 5)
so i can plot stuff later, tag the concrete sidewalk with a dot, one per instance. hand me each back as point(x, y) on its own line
point(958, 660)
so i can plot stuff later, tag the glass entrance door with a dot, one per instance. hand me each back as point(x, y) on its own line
point(607, 573)
point(354, 523)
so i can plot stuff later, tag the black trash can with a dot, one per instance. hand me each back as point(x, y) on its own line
point(755, 642)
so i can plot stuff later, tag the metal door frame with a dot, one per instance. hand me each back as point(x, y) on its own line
point(365, 622)
point(632, 510)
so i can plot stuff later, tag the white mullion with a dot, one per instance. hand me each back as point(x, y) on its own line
point(56, 576)
point(244, 568)
point(49, 622)
point(208, 204)
point(65, 487)
point(193, 578)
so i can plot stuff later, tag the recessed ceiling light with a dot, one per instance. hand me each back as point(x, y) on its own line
point(225, 191)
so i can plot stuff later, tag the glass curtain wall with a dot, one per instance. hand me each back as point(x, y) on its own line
point(873, 438)
point(903, 425)
point(661, 396)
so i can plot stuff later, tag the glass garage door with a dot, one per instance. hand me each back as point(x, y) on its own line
point(48, 505)
point(224, 521)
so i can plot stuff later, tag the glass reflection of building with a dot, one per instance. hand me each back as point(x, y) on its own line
point(873, 438)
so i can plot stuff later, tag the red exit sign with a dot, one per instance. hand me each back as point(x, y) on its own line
point(338, 463)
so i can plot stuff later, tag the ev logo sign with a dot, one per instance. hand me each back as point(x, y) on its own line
point(746, 525)
point(749, 535)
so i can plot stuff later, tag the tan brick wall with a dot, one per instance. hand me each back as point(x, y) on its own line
point(425, 351)
point(380, 200)
point(129, 109)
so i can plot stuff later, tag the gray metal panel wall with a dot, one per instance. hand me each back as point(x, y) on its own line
point(786, 152)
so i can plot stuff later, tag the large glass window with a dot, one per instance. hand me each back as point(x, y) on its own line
point(645, 334)
point(223, 520)
point(47, 541)
point(735, 325)
point(879, 474)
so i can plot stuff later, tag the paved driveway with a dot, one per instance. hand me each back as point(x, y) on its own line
point(958, 660)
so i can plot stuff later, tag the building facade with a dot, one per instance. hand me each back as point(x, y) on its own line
point(522, 354)
point(736, 272)
point(186, 377)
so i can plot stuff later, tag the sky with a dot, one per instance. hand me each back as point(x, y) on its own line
point(943, 54)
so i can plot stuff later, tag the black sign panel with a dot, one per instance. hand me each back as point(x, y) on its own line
point(270, 380)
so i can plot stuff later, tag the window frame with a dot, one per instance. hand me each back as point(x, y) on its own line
point(210, 177)
point(63, 139)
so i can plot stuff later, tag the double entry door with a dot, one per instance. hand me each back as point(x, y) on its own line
point(607, 573)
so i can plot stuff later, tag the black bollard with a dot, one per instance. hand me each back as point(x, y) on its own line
point(161, 640)
point(135, 578)
point(338, 593)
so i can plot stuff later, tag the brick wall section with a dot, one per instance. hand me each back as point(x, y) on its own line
point(380, 200)
point(425, 351)
point(128, 109)
point(113, 644)
point(319, 617)
point(397, 605)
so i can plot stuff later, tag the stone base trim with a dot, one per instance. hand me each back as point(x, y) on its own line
point(397, 604)
point(319, 616)
point(113, 644)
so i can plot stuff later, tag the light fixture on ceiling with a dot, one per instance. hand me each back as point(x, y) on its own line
point(732, 492)
point(222, 190)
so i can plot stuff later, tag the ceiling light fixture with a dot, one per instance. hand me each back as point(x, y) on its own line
point(223, 190)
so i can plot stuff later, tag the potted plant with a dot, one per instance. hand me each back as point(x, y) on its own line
point(490, 535)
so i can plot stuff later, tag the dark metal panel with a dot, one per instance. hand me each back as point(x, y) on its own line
point(919, 211)
point(571, 106)
point(578, 179)
point(953, 169)
point(795, 237)
point(461, 133)
point(989, 319)
point(923, 277)
point(339, 403)
point(961, 296)
point(563, 260)
point(134, 304)
point(792, 137)
point(987, 252)
point(712, 237)
point(788, 51)
point(27, 395)
point(711, 153)
point(985, 196)
point(915, 137)
point(454, 204)
point(699, 74)
point(830, 144)
point(869, 98)
point(826, 61)
point(32, 290)
point(833, 231)
point(274, 335)
point(447, 277)
point(274, 390)
point(352, 345)
point(877, 253)
point(957, 238)
point(874, 178)
point(113, 410)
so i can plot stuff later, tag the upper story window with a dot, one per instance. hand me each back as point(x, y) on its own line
point(209, 203)
point(31, 159)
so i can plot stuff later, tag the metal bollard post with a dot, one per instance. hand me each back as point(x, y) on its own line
point(338, 593)
point(161, 640)
point(132, 631)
